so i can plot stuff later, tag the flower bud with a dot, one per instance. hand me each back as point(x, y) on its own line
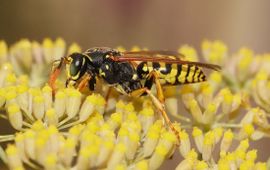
point(47, 46)
point(19, 142)
point(152, 138)
point(188, 162)
point(105, 152)
point(74, 47)
point(208, 145)
point(29, 143)
point(185, 143)
point(60, 103)
point(51, 117)
point(47, 94)
point(146, 117)
point(15, 116)
point(117, 155)
point(142, 165)
point(50, 161)
point(73, 102)
point(38, 107)
point(87, 108)
point(59, 48)
point(22, 97)
point(198, 138)
point(209, 113)
point(195, 110)
point(158, 157)
point(115, 120)
point(13, 157)
point(67, 152)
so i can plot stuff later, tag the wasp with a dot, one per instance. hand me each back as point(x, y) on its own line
point(131, 73)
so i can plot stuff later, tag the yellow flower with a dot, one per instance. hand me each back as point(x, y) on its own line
point(74, 130)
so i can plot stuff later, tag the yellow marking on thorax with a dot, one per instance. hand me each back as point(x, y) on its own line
point(101, 73)
point(145, 67)
point(86, 55)
point(182, 75)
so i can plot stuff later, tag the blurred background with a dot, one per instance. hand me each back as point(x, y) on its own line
point(155, 24)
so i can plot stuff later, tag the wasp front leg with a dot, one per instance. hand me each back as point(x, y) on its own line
point(56, 69)
point(84, 82)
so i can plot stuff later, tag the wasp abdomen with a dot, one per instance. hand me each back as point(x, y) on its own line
point(172, 74)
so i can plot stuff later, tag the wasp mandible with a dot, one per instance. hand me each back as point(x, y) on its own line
point(130, 73)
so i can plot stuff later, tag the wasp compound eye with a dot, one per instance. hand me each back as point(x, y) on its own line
point(75, 66)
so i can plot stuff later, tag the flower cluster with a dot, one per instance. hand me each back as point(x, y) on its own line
point(240, 158)
point(34, 59)
point(125, 138)
point(216, 120)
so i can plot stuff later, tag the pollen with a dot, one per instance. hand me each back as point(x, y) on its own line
point(147, 111)
point(249, 129)
point(22, 89)
point(196, 131)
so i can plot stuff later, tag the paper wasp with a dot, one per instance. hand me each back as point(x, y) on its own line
point(130, 73)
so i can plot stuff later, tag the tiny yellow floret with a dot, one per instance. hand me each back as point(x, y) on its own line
point(196, 132)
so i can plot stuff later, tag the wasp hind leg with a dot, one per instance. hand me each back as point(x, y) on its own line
point(157, 101)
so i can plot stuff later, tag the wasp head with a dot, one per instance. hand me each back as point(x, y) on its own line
point(77, 65)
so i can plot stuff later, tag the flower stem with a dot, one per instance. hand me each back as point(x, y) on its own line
point(3, 116)
point(227, 125)
point(3, 156)
point(183, 118)
point(69, 125)
point(6, 138)
point(64, 121)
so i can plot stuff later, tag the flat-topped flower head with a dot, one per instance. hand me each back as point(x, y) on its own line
point(218, 121)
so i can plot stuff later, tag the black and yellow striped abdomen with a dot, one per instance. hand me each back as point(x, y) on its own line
point(172, 74)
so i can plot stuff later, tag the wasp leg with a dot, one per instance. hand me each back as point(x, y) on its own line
point(56, 69)
point(159, 103)
point(109, 91)
point(84, 82)
point(138, 92)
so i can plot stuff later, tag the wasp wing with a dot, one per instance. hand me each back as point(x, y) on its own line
point(161, 56)
point(155, 53)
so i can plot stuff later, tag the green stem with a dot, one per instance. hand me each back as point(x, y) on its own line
point(3, 116)
point(183, 118)
point(63, 121)
point(3, 155)
point(6, 139)
point(227, 125)
point(27, 124)
point(69, 125)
